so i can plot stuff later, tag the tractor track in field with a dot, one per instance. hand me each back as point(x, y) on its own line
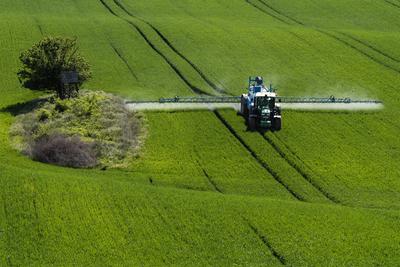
point(281, 20)
point(328, 196)
point(39, 26)
point(303, 40)
point(211, 181)
point(266, 242)
point(193, 88)
point(289, 149)
point(299, 170)
point(175, 68)
point(108, 8)
point(392, 4)
point(197, 69)
point(266, 12)
point(281, 13)
point(257, 158)
point(358, 50)
point(172, 47)
point(338, 39)
point(370, 46)
point(123, 59)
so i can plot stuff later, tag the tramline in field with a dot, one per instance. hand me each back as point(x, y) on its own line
point(261, 106)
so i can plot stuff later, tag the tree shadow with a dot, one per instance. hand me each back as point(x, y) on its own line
point(25, 107)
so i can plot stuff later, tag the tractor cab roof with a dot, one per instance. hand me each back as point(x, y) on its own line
point(265, 93)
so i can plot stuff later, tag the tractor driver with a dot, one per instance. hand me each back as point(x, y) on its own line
point(259, 81)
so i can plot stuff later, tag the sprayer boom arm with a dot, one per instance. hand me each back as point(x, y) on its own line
point(199, 99)
point(236, 99)
point(331, 99)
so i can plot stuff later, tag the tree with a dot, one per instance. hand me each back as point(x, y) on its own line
point(44, 62)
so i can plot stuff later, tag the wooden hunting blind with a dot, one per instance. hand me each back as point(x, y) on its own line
point(69, 83)
point(69, 77)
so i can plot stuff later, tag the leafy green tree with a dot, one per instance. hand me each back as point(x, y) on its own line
point(43, 63)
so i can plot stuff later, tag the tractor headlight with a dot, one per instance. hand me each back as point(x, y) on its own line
point(265, 111)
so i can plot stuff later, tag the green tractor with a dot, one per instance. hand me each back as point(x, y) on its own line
point(259, 106)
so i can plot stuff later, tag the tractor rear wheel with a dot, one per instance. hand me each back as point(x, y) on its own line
point(277, 124)
point(252, 123)
point(243, 106)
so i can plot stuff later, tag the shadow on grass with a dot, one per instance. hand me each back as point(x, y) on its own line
point(25, 107)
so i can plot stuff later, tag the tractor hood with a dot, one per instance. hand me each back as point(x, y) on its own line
point(267, 94)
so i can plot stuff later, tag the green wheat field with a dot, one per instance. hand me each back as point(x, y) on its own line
point(323, 191)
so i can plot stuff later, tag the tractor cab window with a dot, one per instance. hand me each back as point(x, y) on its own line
point(257, 89)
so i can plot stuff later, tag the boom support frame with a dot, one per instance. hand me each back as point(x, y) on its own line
point(236, 99)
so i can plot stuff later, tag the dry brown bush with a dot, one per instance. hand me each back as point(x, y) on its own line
point(64, 151)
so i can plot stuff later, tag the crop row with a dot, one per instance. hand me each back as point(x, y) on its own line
point(194, 150)
point(354, 161)
point(69, 219)
point(293, 178)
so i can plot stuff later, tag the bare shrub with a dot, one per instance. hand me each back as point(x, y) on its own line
point(64, 151)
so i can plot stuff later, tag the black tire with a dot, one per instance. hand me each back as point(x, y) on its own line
point(252, 123)
point(246, 111)
point(243, 107)
point(277, 124)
